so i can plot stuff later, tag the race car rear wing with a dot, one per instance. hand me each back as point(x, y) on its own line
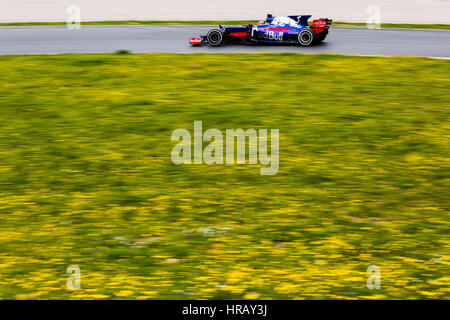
point(320, 25)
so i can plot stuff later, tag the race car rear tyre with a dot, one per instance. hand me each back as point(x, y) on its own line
point(215, 37)
point(321, 36)
point(306, 37)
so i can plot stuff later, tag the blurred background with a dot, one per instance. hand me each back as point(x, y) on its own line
point(402, 11)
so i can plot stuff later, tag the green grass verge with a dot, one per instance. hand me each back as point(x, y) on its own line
point(233, 22)
point(87, 177)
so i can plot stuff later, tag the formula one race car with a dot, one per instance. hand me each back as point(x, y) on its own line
point(279, 29)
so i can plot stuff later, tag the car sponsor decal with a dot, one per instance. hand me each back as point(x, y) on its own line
point(195, 40)
point(272, 35)
point(319, 23)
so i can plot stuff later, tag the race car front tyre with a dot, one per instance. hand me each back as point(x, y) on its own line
point(215, 37)
point(306, 37)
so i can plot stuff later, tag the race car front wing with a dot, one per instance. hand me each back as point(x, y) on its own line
point(195, 40)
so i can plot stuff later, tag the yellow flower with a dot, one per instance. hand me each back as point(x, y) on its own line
point(124, 293)
point(99, 296)
point(252, 296)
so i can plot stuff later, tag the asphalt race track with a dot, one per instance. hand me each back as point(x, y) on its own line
point(139, 38)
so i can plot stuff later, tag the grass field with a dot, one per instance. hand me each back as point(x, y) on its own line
point(232, 22)
point(87, 178)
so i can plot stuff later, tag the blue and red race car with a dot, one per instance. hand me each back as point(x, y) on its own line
point(278, 29)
